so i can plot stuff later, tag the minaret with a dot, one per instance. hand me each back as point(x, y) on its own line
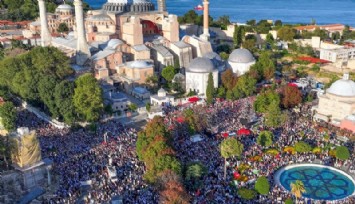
point(161, 5)
point(206, 34)
point(82, 48)
point(46, 37)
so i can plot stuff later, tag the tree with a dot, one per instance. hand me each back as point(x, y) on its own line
point(270, 39)
point(262, 185)
point(249, 44)
point(297, 188)
point(63, 97)
point(286, 33)
point(87, 98)
point(47, 97)
point(8, 116)
point(274, 116)
point(195, 171)
point(148, 106)
point(210, 89)
point(221, 92)
point(228, 79)
point(278, 23)
point(247, 194)
point(132, 107)
point(265, 99)
point(230, 147)
point(251, 22)
point(245, 86)
point(265, 138)
point(224, 55)
point(63, 28)
point(168, 73)
point(302, 147)
point(171, 189)
point(342, 153)
point(291, 97)
point(238, 36)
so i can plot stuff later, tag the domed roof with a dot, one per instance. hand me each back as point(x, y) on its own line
point(64, 7)
point(100, 17)
point(113, 43)
point(128, 1)
point(161, 92)
point(343, 87)
point(139, 64)
point(241, 56)
point(201, 65)
point(212, 55)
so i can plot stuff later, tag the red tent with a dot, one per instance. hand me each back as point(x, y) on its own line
point(193, 99)
point(236, 175)
point(180, 119)
point(225, 135)
point(244, 131)
point(292, 84)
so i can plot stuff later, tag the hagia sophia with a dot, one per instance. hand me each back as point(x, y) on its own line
point(126, 41)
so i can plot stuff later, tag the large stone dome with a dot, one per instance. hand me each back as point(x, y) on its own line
point(119, 6)
point(343, 87)
point(201, 65)
point(241, 56)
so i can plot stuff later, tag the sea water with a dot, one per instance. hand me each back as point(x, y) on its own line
point(289, 11)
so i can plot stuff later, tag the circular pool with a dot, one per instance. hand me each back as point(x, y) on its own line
point(321, 182)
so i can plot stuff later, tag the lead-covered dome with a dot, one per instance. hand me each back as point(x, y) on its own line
point(119, 6)
point(343, 87)
point(201, 65)
point(241, 56)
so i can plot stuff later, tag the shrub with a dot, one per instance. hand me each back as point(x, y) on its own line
point(246, 194)
point(262, 185)
point(342, 153)
point(302, 147)
point(290, 149)
point(317, 150)
point(272, 152)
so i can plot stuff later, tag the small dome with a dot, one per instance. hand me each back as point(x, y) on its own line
point(113, 43)
point(139, 64)
point(201, 65)
point(100, 17)
point(241, 56)
point(343, 87)
point(212, 55)
point(64, 7)
point(161, 92)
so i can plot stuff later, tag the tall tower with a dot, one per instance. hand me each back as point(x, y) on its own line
point(161, 5)
point(46, 37)
point(206, 34)
point(82, 48)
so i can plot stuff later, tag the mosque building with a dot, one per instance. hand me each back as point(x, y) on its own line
point(337, 105)
point(240, 61)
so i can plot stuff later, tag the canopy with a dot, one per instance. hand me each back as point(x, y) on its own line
point(244, 131)
point(193, 99)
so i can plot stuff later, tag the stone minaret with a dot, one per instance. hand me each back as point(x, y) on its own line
point(82, 49)
point(161, 5)
point(46, 37)
point(206, 34)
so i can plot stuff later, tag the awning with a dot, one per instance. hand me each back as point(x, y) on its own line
point(244, 131)
point(193, 99)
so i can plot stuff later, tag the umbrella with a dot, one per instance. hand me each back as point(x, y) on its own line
point(236, 175)
point(180, 119)
point(193, 99)
point(244, 131)
point(292, 84)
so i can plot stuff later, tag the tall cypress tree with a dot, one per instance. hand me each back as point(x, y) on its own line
point(210, 89)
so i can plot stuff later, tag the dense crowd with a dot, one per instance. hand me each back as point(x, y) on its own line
point(225, 117)
point(83, 156)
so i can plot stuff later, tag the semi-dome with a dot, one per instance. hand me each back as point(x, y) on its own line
point(64, 7)
point(241, 56)
point(139, 64)
point(343, 87)
point(113, 43)
point(100, 17)
point(201, 65)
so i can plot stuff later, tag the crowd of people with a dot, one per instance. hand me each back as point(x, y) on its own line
point(84, 157)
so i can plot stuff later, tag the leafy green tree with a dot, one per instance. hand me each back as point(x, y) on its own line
point(278, 23)
point(291, 97)
point(168, 73)
point(46, 85)
point(132, 107)
point(8, 116)
point(265, 99)
point(210, 89)
point(286, 33)
point(251, 22)
point(274, 116)
point(270, 39)
point(238, 36)
point(342, 153)
point(247, 194)
point(230, 147)
point(249, 44)
point(221, 92)
point(63, 97)
point(245, 86)
point(194, 172)
point(63, 28)
point(148, 106)
point(87, 98)
point(262, 185)
point(302, 147)
point(224, 55)
point(265, 138)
